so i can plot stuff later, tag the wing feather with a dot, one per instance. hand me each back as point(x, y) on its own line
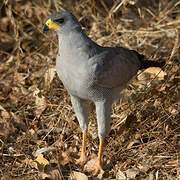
point(113, 67)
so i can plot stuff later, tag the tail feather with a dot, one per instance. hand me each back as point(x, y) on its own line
point(144, 64)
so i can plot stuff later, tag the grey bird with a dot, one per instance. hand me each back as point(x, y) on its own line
point(91, 72)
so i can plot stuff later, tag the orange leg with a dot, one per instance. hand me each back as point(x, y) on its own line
point(82, 160)
point(100, 152)
point(98, 167)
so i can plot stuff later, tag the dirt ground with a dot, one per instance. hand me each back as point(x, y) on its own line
point(39, 133)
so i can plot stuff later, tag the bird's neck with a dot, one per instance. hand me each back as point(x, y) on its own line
point(75, 41)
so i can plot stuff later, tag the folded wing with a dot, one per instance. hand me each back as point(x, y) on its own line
point(113, 67)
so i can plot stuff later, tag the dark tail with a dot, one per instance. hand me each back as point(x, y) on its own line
point(148, 63)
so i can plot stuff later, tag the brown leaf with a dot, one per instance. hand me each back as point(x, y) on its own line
point(5, 126)
point(39, 110)
point(132, 143)
point(52, 174)
point(17, 122)
point(151, 176)
point(120, 175)
point(49, 75)
point(157, 103)
point(78, 176)
point(132, 173)
point(33, 164)
point(173, 111)
point(41, 160)
point(65, 158)
point(40, 102)
point(39, 163)
point(91, 164)
point(4, 24)
point(152, 72)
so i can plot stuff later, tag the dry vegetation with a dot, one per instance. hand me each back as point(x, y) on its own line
point(35, 109)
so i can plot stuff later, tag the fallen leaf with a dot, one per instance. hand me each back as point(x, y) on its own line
point(132, 173)
point(45, 176)
point(41, 160)
point(4, 24)
point(120, 175)
point(39, 110)
point(1, 108)
point(52, 174)
point(173, 110)
point(32, 163)
point(133, 143)
point(18, 122)
point(5, 126)
point(78, 176)
point(49, 75)
point(65, 158)
point(157, 103)
point(40, 102)
point(152, 72)
point(151, 176)
point(91, 164)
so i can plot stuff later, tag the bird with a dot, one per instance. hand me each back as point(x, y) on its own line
point(91, 72)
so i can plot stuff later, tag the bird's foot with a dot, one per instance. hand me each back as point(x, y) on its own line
point(82, 160)
point(97, 169)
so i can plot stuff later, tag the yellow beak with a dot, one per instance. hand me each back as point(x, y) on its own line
point(50, 25)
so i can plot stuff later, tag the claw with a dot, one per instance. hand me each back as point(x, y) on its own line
point(82, 160)
point(96, 170)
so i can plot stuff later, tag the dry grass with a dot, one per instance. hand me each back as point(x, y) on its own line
point(145, 135)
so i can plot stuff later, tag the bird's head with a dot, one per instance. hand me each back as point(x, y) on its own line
point(61, 21)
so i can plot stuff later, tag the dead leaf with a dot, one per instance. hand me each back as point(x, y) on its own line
point(132, 173)
point(133, 143)
point(5, 126)
point(120, 175)
point(151, 176)
point(157, 103)
point(32, 163)
point(1, 108)
point(52, 174)
point(152, 72)
point(4, 24)
point(173, 110)
point(39, 110)
point(49, 75)
point(65, 158)
point(41, 162)
point(91, 164)
point(18, 123)
point(44, 175)
point(5, 114)
point(78, 176)
point(40, 102)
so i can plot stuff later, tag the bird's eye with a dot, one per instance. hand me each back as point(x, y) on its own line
point(60, 21)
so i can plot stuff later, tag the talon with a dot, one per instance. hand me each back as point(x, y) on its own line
point(97, 169)
point(82, 160)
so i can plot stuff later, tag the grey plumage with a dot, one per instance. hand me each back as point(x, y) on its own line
point(91, 72)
